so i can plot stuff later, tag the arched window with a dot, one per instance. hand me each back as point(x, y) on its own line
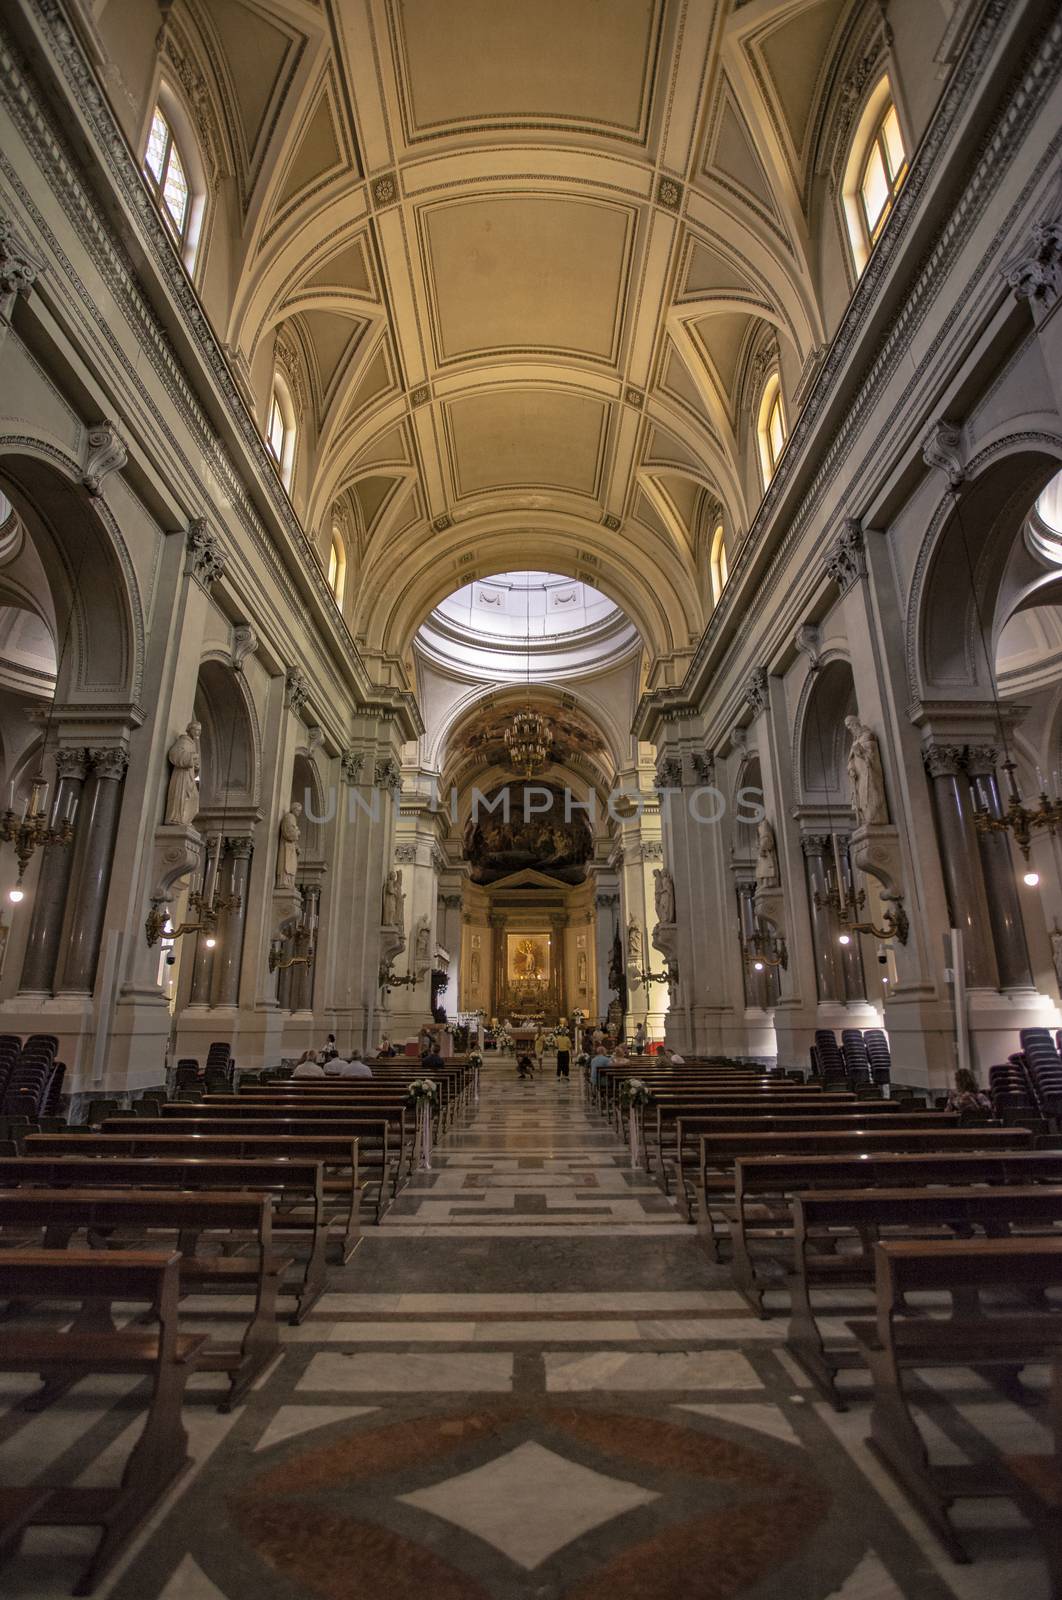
point(877, 167)
point(772, 427)
point(174, 173)
point(719, 567)
point(337, 566)
point(281, 429)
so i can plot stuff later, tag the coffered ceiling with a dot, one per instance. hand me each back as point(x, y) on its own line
point(527, 253)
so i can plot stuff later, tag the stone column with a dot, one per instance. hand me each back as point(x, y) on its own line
point(855, 980)
point(607, 907)
point(559, 924)
point(53, 880)
point(997, 864)
point(228, 956)
point(202, 985)
point(450, 939)
point(818, 850)
point(757, 984)
point(961, 862)
point(91, 872)
point(497, 955)
point(301, 990)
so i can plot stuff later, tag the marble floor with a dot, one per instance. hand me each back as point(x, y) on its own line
point(528, 1384)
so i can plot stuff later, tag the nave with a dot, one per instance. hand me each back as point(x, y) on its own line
point(528, 1383)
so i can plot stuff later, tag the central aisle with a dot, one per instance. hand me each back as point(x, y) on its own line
point(530, 1384)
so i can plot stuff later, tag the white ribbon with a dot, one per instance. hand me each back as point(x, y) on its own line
point(423, 1133)
point(636, 1143)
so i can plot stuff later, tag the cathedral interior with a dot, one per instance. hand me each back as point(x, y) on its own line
point(537, 521)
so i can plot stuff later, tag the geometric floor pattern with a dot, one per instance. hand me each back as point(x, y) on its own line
point(528, 1383)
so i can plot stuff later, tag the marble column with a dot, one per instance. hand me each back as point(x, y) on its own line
point(450, 939)
point(228, 955)
point(498, 997)
point(202, 985)
point(301, 997)
point(559, 924)
point(855, 979)
point(961, 861)
point(997, 864)
point(53, 881)
point(818, 852)
point(757, 984)
point(91, 873)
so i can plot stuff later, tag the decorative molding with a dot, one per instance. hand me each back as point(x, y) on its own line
point(943, 449)
point(385, 189)
point(105, 453)
point(1034, 272)
point(109, 762)
point(314, 738)
point(669, 773)
point(612, 523)
point(846, 561)
point(19, 268)
point(296, 689)
point(634, 397)
point(406, 854)
point(387, 774)
point(703, 765)
point(652, 850)
point(669, 193)
point(288, 359)
point(441, 524)
point(943, 760)
point(981, 760)
point(71, 761)
point(808, 640)
point(244, 644)
point(351, 763)
point(757, 690)
point(205, 560)
point(420, 395)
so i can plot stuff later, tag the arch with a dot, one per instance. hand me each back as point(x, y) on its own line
point(772, 428)
point(229, 744)
point(165, 149)
point(951, 628)
point(87, 568)
point(504, 699)
point(820, 740)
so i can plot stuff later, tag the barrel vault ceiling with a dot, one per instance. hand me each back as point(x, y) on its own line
point(523, 256)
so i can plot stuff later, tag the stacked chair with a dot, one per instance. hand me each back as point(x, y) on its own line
point(10, 1048)
point(878, 1054)
point(1044, 1067)
point(35, 1079)
point(219, 1067)
point(1011, 1092)
point(856, 1060)
point(830, 1059)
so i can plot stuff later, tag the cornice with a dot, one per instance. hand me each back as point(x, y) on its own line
point(57, 165)
point(1020, 105)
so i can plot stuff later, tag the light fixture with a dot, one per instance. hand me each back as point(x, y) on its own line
point(16, 895)
point(529, 739)
point(758, 966)
point(1031, 879)
point(28, 832)
point(763, 950)
point(844, 938)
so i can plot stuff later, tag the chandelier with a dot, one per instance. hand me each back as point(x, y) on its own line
point(1020, 820)
point(529, 739)
point(33, 830)
point(528, 742)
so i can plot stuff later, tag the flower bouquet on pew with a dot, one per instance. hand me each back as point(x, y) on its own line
point(423, 1094)
point(475, 1061)
point(635, 1095)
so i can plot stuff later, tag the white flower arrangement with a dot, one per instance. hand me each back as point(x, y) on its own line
point(550, 1041)
point(582, 1059)
point(423, 1089)
point(635, 1092)
point(475, 1059)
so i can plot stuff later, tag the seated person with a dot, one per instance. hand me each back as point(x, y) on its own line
point(599, 1059)
point(966, 1097)
point(386, 1050)
point(525, 1066)
point(308, 1066)
point(348, 1067)
point(672, 1057)
point(432, 1061)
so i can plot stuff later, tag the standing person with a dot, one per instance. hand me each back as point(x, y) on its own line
point(641, 1039)
point(540, 1045)
point(564, 1054)
point(329, 1052)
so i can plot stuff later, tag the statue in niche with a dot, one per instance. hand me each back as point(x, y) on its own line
point(767, 856)
point(288, 851)
point(634, 940)
point(182, 795)
point(393, 899)
point(473, 970)
point(665, 896)
point(423, 942)
point(865, 775)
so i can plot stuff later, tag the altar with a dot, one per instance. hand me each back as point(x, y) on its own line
point(528, 956)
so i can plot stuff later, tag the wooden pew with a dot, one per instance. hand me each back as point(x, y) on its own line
point(378, 1155)
point(163, 1355)
point(296, 1187)
point(718, 1152)
point(1037, 1486)
point(343, 1188)
point(18, 1508)
point(665, 1115)
point(821, 1217)
point(320, 1117)
point(62, 1213)
point(897, 1341)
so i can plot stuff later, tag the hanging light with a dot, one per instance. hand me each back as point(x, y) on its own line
point(1031, 879)
point(529, 739)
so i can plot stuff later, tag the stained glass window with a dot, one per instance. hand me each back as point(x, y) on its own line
point(166, 175)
